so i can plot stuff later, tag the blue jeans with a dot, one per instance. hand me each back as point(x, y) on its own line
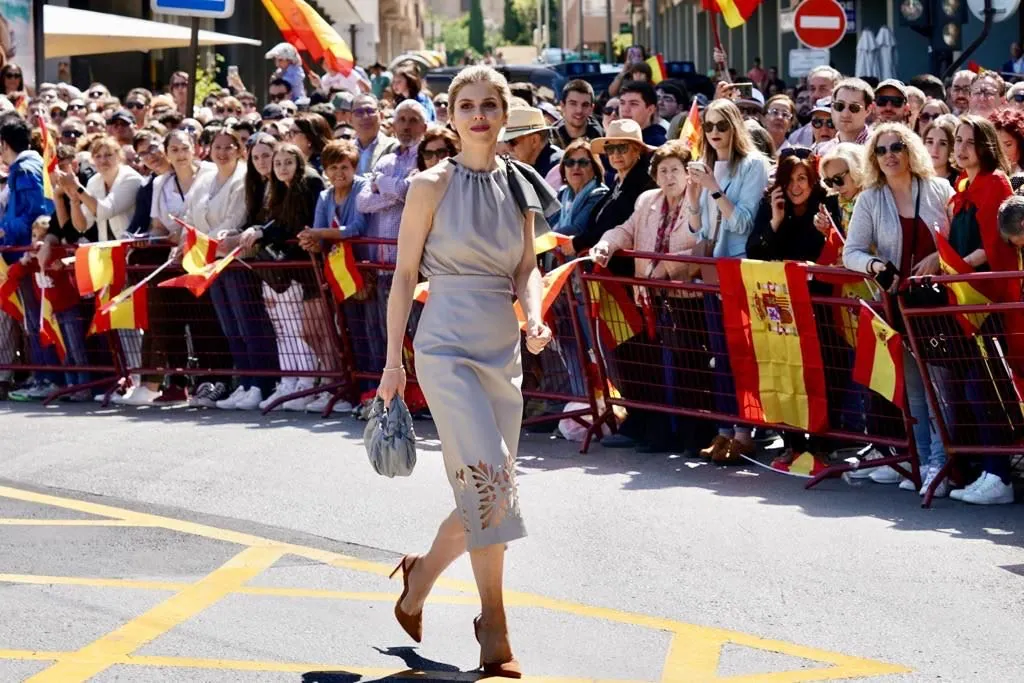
point(238, 303)
point(38, 355)
point(930, 450)
point(723, 385)
point(72, 326)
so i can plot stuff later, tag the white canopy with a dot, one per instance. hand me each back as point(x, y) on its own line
point(76, 32)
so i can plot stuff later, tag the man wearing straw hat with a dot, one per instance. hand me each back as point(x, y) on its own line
point(527, 136)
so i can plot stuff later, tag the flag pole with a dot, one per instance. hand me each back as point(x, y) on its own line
point(126, 294)
point(724, 70)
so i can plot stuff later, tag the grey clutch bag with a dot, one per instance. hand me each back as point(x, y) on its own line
point(390, 439)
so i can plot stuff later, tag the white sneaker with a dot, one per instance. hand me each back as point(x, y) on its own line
point(231, 402)
point(958, 494)
point(139, 395)
point(907, 485)
point(991, 491)
point(864, 457)
point(320, 401)
point(250, 400)
point(297, 405)
point(283, 388)
point(942, 490)
point(884, 475)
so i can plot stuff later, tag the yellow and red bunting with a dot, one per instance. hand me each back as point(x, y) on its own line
point(307, 31)
point(735, 12)
point(658, 70)
point(548, 241)
point(97, 267)
point(618, 319)
point(551, 287)
point(198, 283)
point(341, 272)
point(773, 344)
point(964, 293)
point(49, 328)
point(878, 361)
point(49, 157)
point(692, 134)
point(10, 302)
point(198, 250)
point(130, 314)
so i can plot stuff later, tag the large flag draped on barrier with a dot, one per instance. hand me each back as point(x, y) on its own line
point(878, 362)
point(98, 267)
point(773, 344)
point(307, 31)
point(618, 318)
point(736, 12)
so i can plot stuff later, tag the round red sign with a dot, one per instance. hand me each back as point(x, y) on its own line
point(820, 23)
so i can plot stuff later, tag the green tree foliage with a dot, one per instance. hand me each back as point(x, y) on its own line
point(513, 27)
point(476, 26)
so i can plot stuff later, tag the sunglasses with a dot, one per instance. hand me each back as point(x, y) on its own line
point(798, 152)
point(431, 154)
point(95, 94)
point(76, 107)
point(928, 118)
point(616, 148)
point(577, 163)
point(835, 181)
point(72, 134)
point(134, 105)
point(890, 101)
point(610, 111)
point(12, 75)
point(818, 123)
point(854, 107)
point(894, 148)
point(364, 112)
point(1019, 98)
point(720, 126)
point(225, 110)
point(441, 104)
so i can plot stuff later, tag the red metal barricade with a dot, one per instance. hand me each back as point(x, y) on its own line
point(668, 354)
point(972, 357)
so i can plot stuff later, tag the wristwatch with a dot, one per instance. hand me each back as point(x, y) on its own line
point(716, 195)
point(80, 190)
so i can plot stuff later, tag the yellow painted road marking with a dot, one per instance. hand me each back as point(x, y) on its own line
point(68, 522)
point(676, 665)
point(99, 655)
point(691, 658)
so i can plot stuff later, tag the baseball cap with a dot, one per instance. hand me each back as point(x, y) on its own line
point(824, 105)
point(272, 112)
point(121, 115)
point(342, 101)
point(893, 83)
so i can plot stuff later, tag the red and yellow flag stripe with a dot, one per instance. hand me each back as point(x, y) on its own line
point(49, 328)
point(878, 362)
point(130, 314)
point(658, 70)
point(964, 293)
point(198, 250)
point(10, 302)
point(618, 318)
point(198, 283)
point(97, 267)
point(548, 241)
point(553, 282)
point(692, 133)
point(305, 29)
point(736, 12)
point(341, 272)
point(773, 343)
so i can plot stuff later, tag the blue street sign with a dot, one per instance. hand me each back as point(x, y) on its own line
point(214, 9)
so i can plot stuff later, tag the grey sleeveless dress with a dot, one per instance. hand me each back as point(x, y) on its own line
point(467, 348)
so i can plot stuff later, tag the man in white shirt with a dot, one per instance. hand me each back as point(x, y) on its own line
point(821, 82)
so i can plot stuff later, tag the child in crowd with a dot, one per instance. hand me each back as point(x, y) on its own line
point(289, 67)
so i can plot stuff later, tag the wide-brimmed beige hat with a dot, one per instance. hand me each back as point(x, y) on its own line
point(524, 121)
point(621, 130)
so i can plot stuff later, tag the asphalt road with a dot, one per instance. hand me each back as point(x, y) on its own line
point(174, 545)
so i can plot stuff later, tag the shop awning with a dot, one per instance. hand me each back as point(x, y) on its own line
point(76, 32)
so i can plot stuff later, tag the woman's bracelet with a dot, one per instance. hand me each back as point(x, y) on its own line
point(395, 369)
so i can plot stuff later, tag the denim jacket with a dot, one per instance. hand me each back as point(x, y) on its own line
point(25, 203)
point(744, 188)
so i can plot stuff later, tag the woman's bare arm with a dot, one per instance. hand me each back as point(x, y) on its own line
point(528, 281)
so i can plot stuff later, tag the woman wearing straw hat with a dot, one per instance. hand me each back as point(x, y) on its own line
point(529, 140)
point(468, 226)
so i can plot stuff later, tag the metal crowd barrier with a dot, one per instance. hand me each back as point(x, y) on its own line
point(973, 357)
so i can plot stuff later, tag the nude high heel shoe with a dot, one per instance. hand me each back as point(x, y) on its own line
point(509, 669)
point(410, 623)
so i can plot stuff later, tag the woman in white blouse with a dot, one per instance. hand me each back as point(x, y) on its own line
point(172, 190)
point(109, 197)
point(215, 205)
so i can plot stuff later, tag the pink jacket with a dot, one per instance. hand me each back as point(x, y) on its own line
point(640, 232)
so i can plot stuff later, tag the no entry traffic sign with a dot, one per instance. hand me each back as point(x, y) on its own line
point(820, 23)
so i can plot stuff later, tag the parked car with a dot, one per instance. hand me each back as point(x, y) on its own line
point(438, 80)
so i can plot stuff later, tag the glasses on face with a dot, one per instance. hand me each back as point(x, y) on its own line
point(431, 154)
point(150, 151)
point(928, 118)
point(76, 107)
point(984, 92)
point(71, 134)
point(277, 96)
point(57, 114)
point(962, 89)
point(780, 114)
point(95, 94)
point(189, 129)
point(13, 75)
point(818, 123)
point(721, 126)
point(135, 105)
point(854, 107)
point(798, 152)
point(365, 112)
point(894, 148)
point(890, 101)
point(617, 148)
point(610, 111)
point(577, 163)
point(441, 104)
point(838, 180)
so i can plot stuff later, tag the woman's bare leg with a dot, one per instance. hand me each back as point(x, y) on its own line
point(489, 570)
point(448, 545)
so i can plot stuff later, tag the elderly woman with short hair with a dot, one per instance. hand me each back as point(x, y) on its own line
point(583, 187)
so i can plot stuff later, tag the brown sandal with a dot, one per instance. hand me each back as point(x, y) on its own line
point(410, 623)
point(509, 669)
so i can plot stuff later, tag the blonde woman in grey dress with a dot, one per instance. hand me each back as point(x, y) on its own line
point(463, 229)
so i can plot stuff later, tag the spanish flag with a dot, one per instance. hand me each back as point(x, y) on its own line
point(773, 343)
point(851, 286)
point(964, 293)
point(548, 241)
point(878, 362)
point(658, 70)
point(49, 158)
point(97, 267)
point(10, 303)
point(806, 465)
point(49, 328)
point(130, 314)
point(736, 12)
point(422, 292)
point(553, 282)
point(307, 31)
point(341, 272)
point(198, 283)
point(691, 133)
point(198, 250)
point(617, 316)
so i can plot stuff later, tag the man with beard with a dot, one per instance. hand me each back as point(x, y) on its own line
point(892, 104)
point(577, 114)
point(959, 95)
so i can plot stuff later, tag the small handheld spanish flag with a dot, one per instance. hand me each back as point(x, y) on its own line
point(878, 361)
point(198, 249)
point(49, 328)
point(98, 266)
point(130, 314)
point(10, 303)
point(658, 70)
point(691, 133)
point(341, 272)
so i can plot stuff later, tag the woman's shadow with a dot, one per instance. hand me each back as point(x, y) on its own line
point(415, 665)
